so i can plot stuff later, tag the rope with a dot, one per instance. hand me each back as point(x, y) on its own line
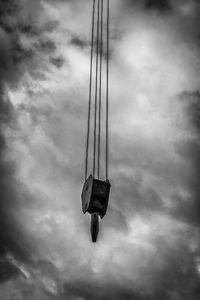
point(90, 91)
point(96, 88)
point(100, 85)
point(107, 86)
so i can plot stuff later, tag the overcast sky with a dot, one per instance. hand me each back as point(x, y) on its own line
point(149, 243)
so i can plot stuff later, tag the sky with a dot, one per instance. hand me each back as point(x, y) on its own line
point(149, 241)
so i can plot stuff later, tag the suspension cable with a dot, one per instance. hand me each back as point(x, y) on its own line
point(100, 87)
point(96, 89)
point(107, 86)
point(90, 90)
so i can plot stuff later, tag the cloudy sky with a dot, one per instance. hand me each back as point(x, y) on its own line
point(149, 243)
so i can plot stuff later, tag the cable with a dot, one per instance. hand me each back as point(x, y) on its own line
point(96, 88)
point(107, 86)
point(90, 91)
point(98, 85)
point(100, 88)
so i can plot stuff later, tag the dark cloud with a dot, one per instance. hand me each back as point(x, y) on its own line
point(15, 60)
point(19, 54)
point(7, 270)
point(9, 234)
point(190, 207)
point(162, 5)
point(31, 29)
point(191, 101)
point(159, 5)
point(194, 110)
point(57, 61)
point(12, 236)
point(77, 41)
point(47, 46)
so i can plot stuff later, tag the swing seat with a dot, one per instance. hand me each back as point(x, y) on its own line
point(95, 196)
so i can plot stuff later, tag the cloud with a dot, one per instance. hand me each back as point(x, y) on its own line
point(160, 5)
point(57, 61)
point(78, 42)
point(148, 244)
point(17, 55)
point(8, 270)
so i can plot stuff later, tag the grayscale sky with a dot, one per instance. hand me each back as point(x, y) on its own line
point(149, 243)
